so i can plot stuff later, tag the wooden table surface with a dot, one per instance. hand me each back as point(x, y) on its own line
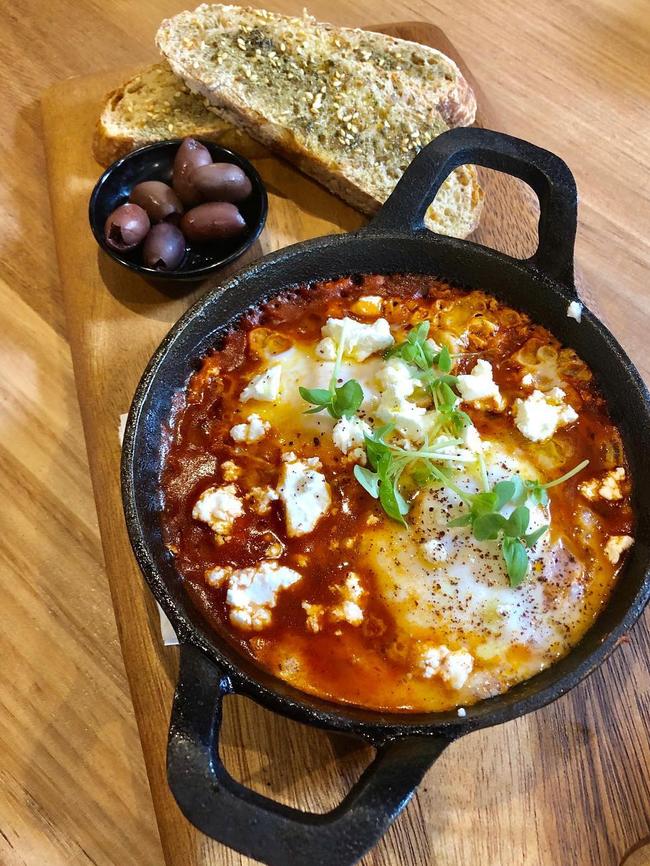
point(572, 77)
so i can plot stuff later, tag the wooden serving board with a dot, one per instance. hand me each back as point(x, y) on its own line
point(562, 786)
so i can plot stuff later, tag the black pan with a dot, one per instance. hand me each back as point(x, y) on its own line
point(394, 242)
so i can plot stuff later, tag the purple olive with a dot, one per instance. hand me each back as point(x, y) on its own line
point(221, 181)
point(190, 155)
point(126, 227)
point(164, 247)
point(212, 221)
point(158, 199)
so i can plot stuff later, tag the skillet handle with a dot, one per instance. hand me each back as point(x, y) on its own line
point(547, 174)
point(259, 827)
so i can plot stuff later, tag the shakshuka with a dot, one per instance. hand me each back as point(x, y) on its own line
point(395, 493)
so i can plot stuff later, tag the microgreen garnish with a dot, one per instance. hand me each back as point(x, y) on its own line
point(388, 463)
point(434, 374)
point(415, 349)
point(488, 523)
point(484, 515)
point(341, 401)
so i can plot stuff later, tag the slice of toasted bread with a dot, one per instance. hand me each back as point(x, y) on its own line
point(154, 105)
point(349, 107)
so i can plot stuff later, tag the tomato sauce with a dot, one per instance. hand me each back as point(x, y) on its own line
point(361, 665)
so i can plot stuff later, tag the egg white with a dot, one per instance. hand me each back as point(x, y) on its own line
point(465, 600)
point(302, 367)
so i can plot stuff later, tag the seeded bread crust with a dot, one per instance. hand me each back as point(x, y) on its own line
point(154, 105)
point(348, 107)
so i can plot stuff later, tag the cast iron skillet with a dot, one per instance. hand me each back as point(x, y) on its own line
point(394, 242)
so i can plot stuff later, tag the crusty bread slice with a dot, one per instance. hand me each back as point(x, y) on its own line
point(348, 107)
point(154, 105)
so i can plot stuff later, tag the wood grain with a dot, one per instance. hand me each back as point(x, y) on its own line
point(298, 766)
point(571, 77)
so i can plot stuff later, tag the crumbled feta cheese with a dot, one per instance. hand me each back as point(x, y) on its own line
point(394, 379)
point(539, 415)
point(616, 545)
point(305, 495)
point(274, 550)
point(312, 462)
point(262, 497)
point(609, 488)
point(252, 430)
point(218, 575)
point(574, 311)
point(589, 489)
point(462, 712)
point(527, 380)
point(348, 436)
point(230, 471)
point(252, 592)
point(409, 420)
point(326, 349)
point(395, 384)
point(360, 340)
point(219, 507)
point(434, 551)
point(452, 667)
point(479, 385)
point(349, 611)
point(472, 439)
point(315, 614)
point(353, 587)
point(368, 305)
point(265, 386)
point(351, 593)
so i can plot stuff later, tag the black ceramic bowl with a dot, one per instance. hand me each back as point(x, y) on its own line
point(396, 241)
point(155, 162)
